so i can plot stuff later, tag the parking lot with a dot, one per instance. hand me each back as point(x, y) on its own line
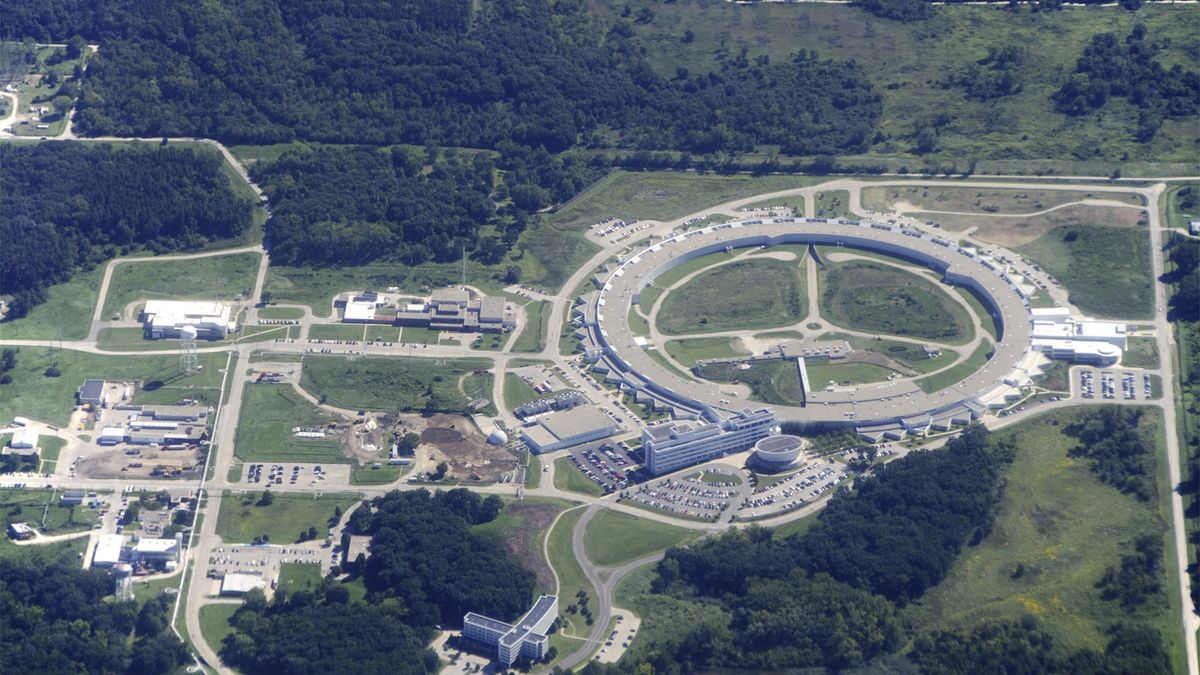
point(264, 560)
point(609, 465)
point(294, 475)
point(1112, 385)
point(690, 496)
point(807, 485)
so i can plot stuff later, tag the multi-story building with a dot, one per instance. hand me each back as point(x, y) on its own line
point(676, 445)
point(169, 318)
point(527, 638)
point(1059, 336)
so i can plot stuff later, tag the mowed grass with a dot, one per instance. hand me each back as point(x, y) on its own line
point(833, 204)
point(568, 477)
point(691, 350)
point(28, 506)
point(1176, 214)
point(269, 413)
point(571, 579)
point(906, 353)
point(950, 376)
point(336, 331)
point(299, 576)
point(613, 538)
point(241, 518)
point(284, 313)
point(214, 622)
point(775, 381)
point(384, 475)
point(745, 294)
point(1057, 529)
point(390, 384)
point(50, 399)
point(909, 63)
point(532, 337)
point(820, 374)
point(1106, 270)
point(215, 278)
point(1141, 352)
point(67, 311)
point(517, 392)
point(867, 296)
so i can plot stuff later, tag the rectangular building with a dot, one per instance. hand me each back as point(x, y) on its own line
point(25, 438)
point(677, 445)
point(449, 309)
point(72, 497)
point(92, 392)
point(20, 531)
point(109, 550)
point(566, 428)
point(167, 319)
point(241, 583)
point(527, 638)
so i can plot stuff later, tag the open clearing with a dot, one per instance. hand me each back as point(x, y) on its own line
point(945, 378)
point(241, 518)
point(981, 200)
point(568, 477)
point(394, 384)
point(744, 294)
point(214, 622)
point(1015, 232)
point(537, 326)
point(222, 277)
point(866, 296)
point(1106, 270)
point(276, 409)
point(571, 579)
point(775, 381)
point(613, 538)
point(691, 350)
point(846, 373)
point(27, 506)
point(521, 528)
point(66, 314)
point(833, 204)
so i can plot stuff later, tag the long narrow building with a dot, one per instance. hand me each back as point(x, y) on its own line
point(527, 638)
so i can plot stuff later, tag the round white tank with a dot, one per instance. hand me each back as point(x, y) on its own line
point(188, 332)
point(779, 452)
point(497, 437)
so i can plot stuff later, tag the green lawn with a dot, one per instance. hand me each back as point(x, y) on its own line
point(1176, 214)
point(1057, 529)
point(532, 337)
point(690, 350)
point(795, 527)
point(758, 293)
point(281, 313)
point(774, 381)
point(568, 477)
point(416, 335)
point(336, 331)
point(214, 622)
point(571, 579)
point(1141, 352)
point(28, 506)
point(241, 519)
point(983, 200)
point(68, 308)
point(871, 297)
point(613, 539)
point(833, 204)
point(216, 278)
point(385, 474)
point(375, 383)
point(50, 399)
point(906, 353)
point(820, 374)
point(517, 392)
point(781, 335)
point(1098, 282)
point(989, 323)
point(299, 576)
point(952, 375)
point(51, 446)
point(533, 472)
point(676, 274)
point(270, 412)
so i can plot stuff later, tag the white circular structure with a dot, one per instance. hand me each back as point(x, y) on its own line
point(188, 333)
point(776, 453)
point(497, 437)
point(887, 408)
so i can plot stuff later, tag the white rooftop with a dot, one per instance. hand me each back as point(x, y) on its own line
point(155, 545)
point(108, 550)
point(240, 582)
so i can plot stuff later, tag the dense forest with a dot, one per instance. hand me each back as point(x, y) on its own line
point(68, 206)
point(57, 618)
point(425, 568)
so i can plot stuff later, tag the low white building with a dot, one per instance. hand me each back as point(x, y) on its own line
point(567, 428)
point(148, 551)
point(241, 583)
point(168, 318)
point(24, 438)
point(1060, 336)
point(109, 550)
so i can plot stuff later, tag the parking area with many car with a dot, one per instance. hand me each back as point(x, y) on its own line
point(1113, 385)
point(611, 466)
point(819, 478)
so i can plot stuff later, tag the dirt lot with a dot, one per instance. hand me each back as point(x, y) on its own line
point(1013, 232)
point(456, 441)
point(115, 463)
point(983, 201)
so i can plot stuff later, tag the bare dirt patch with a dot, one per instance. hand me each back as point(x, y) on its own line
point(1013, 232)
point(144, 462)
point(457, 442)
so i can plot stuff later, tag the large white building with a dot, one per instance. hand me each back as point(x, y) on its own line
point(110, 550)
point(1059, 336)
point(567, 428)
point(168, 318)
point(676, 445)
point(527, 638)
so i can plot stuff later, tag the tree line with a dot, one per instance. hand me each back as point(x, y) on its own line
point(68, 206)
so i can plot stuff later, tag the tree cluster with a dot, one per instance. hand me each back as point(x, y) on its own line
point(68, 206)
point(1121, 452)
point(1139, 576)
point(56, 618)
point(996, 75)
point(1111, 67)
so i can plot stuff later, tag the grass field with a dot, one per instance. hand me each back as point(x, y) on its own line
point(517, 392)
point(676, 274)
point(690, 350)
point(373, 383)
point(284, 313)
point(241, 519)
point(795, 527)
point(521, 529)
point(28, 506)
point(1098, 282)
point(214, 622)
point(983, 200)
point(568, 477)
point(906, 353)
point(845, 373)
point(533, 472)
point(275, 411)
point(1176, 214)
point(868, 296)
point(952, 375)
point(613, 539)
point(299, 576)
point(336, 331)
point(571, 579)
point(761, 293)
point(1141, 352)
point(216, 278)
point(909, 64)
point(1057, 529)
point(369, 475)
point(833, 204)
point(68, 308)
point(989, 323)
point(775, 381)
point(50, 399)
point(51, 446)
point(532, 337)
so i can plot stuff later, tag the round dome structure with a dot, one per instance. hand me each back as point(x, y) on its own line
point(497, 437)
point(779, 452)
point(188, 332)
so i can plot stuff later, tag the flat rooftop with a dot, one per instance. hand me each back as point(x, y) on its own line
point(568, 423)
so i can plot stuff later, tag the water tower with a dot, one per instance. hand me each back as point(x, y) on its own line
point(187, 350)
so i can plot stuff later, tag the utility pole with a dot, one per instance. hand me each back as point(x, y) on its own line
point(464, 265)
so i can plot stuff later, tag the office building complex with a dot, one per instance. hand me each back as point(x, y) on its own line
point(676, 445)
point(449, 309)
point(527, 638)
point(566, 428)
point(168, 318)
point(1059, 336)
